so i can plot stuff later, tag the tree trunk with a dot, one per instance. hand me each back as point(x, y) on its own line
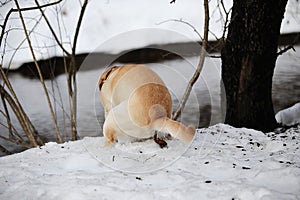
point(248, 62)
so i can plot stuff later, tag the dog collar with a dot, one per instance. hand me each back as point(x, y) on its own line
point(106, 77)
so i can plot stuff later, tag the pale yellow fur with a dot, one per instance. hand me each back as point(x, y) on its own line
point(137, 103)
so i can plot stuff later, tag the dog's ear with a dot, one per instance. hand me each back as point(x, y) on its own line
point(105, 75)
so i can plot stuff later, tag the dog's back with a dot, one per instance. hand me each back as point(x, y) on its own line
point(136, 102)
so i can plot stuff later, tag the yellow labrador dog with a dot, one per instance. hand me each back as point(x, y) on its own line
point(137, 104)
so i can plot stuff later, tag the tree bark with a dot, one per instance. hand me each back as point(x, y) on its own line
point(248, 62)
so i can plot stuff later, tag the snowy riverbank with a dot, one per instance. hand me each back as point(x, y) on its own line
point(222, 163)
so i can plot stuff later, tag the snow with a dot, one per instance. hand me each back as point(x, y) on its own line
point(221, 163)
point(289, 116)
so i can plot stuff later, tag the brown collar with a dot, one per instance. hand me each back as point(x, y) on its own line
point(107, 73)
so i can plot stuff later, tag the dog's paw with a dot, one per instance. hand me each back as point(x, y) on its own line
point(160, 141)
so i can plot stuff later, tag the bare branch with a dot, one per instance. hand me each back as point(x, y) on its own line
point(51, 29)
point(78, 27)
point(20, 142)
point(16, 106)
point(72, 83)
point(184, 22)
point(21, 43)
point(40, 73)
point(200, 64)
point(19, 115)
point(8, 119)
point(14, 133)
point(4, 150)
point(227, 17)
point(22, 9)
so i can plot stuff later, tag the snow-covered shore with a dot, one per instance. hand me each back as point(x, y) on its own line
point(222, 163)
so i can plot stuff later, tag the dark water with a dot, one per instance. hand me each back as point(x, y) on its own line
point(204, 104)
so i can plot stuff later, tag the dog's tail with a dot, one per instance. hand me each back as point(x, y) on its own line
point(176, 129)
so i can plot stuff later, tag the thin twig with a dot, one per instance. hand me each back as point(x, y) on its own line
point(19, 115)
point(40, 73)
point(4, 150)
point(78, 27)
point(8, 119)
point(16, 106)
point(200, 64)
point(184, 22)
point(72, 75)
point(15, 132)
point(21, 44)
point(51, 29)
point(22, 9)
point(19, 142)
point(65, 114)
point(227, 13)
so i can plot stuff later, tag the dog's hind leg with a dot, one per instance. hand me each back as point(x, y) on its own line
point(176, 129)
point(109, 136)
point(109, 131)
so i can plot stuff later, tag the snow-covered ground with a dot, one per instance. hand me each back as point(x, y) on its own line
point(221, 163)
